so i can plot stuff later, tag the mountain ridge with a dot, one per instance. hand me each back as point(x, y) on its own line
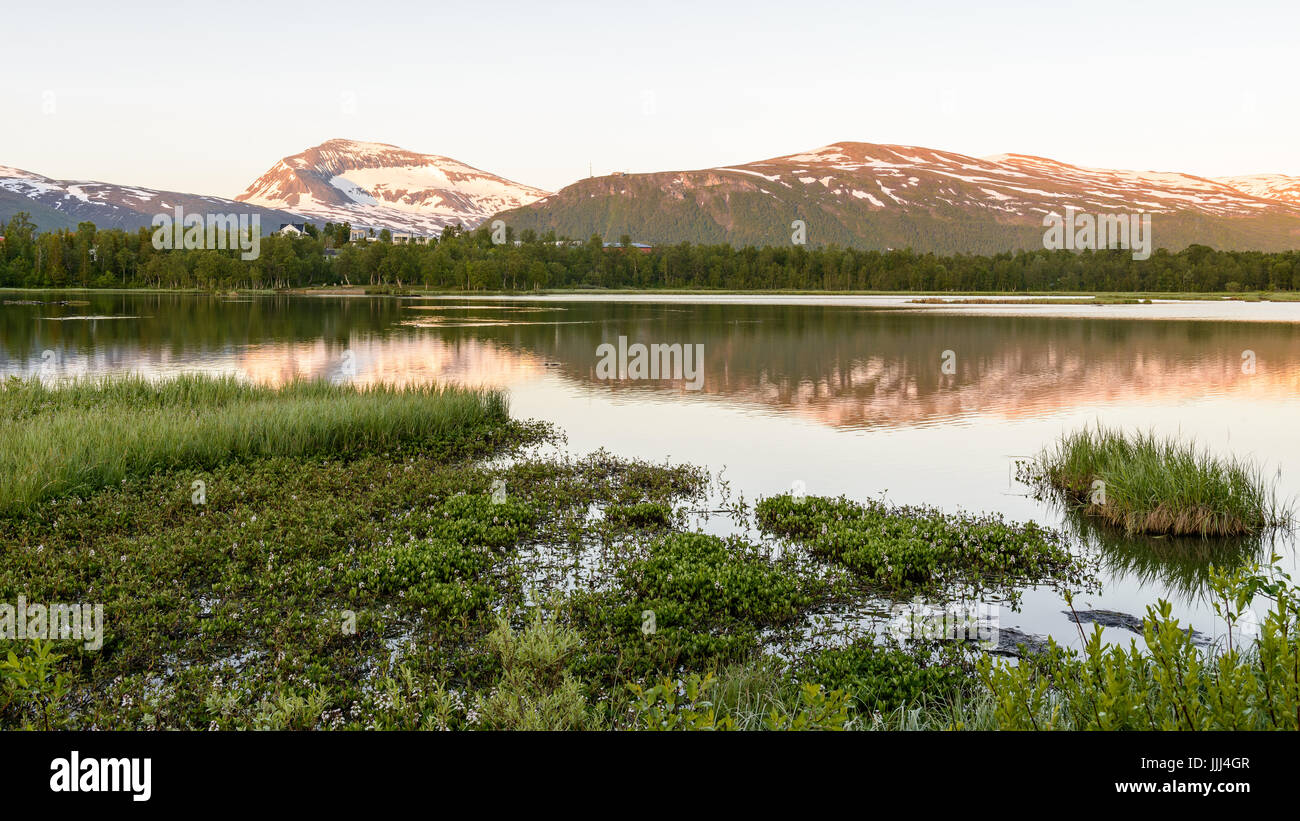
point(868, 195)
point(877, 195)
point(55, 204)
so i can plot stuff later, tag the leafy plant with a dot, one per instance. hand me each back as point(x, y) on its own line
point(883, 678)
point(678, 705)
point(1171, 684)
point(33, 684)
point(536, 690)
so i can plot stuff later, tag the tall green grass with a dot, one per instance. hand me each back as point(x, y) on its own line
point(86, 435)
point(1159, 485)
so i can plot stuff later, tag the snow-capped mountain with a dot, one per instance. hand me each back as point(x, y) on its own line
point(896, 176)
point(878, 196)
point(57, 204)
point(850, 193)
point(1267, 186)
point(374, 185)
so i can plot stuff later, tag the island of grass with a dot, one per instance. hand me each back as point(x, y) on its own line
point(1147, 484)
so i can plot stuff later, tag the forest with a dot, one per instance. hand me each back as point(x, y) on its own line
point(462, 260)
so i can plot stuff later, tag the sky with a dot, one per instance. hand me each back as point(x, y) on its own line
point(206, 99)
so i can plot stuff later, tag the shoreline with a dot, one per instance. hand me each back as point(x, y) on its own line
point(1012, 297)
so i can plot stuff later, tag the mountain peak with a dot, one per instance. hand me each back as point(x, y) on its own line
point(377, 185)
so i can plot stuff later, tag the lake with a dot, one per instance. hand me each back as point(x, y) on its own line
point(868, 397)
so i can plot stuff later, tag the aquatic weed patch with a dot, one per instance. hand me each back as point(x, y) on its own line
point(882, 678)
point(919, 548)
point(691, 597)
point(642, 515)
point(315, 572)
point(306, 593)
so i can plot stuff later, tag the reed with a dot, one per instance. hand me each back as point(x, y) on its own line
point(1143, 483)
point(86, 435)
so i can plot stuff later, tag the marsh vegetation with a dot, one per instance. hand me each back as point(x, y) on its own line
point(1144, 483)
point(415, 559)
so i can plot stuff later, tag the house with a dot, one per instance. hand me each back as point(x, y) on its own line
point(358, 233)
point(638, 246)
point(291, 229)
point(403, 238)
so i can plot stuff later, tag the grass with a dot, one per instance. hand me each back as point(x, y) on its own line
point(1143, 483)
point(88, 435)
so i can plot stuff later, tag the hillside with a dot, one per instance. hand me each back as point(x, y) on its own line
point(890, 196)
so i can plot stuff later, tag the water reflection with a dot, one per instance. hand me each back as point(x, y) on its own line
point(845, 366)
point(1179, 566)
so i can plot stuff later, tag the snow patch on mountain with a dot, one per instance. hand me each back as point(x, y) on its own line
point(1277, 187)
point(375, 185)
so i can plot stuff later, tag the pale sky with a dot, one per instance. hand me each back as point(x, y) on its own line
point(204, 100)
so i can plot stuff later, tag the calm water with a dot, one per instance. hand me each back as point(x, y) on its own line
point(846, 395)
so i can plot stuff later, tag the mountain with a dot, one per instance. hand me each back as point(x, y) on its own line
point(374, 185)
point(893, 196)
point(1267, 186)
point(57, 204)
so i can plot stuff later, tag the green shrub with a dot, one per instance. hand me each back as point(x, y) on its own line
point(1171, 684)
point(33, 688)
point(536, 689)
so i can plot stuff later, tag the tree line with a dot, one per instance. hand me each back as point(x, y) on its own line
point(473, 261)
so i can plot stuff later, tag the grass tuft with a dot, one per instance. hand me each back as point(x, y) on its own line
point(82, 436)
point(1143, 483)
